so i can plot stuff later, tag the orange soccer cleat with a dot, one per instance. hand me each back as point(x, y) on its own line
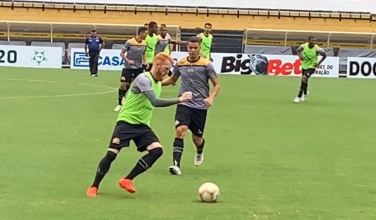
point(127, 184)
point(92, 191)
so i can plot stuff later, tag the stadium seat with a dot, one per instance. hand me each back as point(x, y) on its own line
point(344, 53)
point(18, 43)
point(73, 45)
point(277, 50)
point(117, 46)
point(49, 44)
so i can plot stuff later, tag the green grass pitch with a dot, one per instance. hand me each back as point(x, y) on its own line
point(272, 159)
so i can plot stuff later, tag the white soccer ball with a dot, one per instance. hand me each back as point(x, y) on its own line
point(208, 192)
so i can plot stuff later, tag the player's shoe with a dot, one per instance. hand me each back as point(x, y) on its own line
point(199, 159)
point(94, 75)
point(127, 184)
point(174, 170)
point(92, 191)
point(297, 100)
point(117, 108)
point(302, 99)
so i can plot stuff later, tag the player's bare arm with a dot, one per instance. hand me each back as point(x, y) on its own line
point(173, 78)
point(214, 92)
point(299, 52)
point(170, 80)
point(178, 42)
point(215, 82)
point(321, 52)
point(124, 56)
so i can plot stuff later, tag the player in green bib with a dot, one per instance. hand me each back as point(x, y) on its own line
point(133, 123)
point(206, 40)
point(308, 54)
point(151, 42)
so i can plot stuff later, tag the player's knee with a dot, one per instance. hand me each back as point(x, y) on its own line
point(154, 145)
point(197, 140)
point(123, 85)
point(181, 131)
point(155, 149)
point(304, 78)
point(113, 150)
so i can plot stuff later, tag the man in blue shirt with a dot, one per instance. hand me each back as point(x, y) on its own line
point(93, 46)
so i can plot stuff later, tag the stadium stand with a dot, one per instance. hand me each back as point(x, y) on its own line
point(188, 17)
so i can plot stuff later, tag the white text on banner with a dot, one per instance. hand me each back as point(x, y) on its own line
point(29, 56)
point(108, 59)
point(361, 67)
point(283, 65)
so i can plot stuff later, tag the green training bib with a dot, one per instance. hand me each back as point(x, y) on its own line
point(310, 57)
point(150, 47)
point(206, 43)
point(137, 108)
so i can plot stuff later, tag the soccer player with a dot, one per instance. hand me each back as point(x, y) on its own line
point(165, 43)
point(151, 42)
point(308, 54)
point(134, 60)
point(195, 72)
point(206, 40)
point(133, 123)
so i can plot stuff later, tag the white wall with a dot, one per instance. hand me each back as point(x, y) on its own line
point(316, 5)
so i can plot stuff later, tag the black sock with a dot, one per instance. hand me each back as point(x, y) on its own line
point(306, 88)
point(303, 87)
point(200, 148)
point(121, 94)
point(145, 163)
point(178, 149)
point(103, 167)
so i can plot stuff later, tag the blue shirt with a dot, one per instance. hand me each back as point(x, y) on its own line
point(94, 43)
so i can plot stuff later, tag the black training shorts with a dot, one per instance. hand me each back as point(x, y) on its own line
point(128, 75)
point(195, 119)
point(308, 72)
point(124, 132)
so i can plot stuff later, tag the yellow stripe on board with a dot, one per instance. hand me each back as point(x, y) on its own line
point(60, 36)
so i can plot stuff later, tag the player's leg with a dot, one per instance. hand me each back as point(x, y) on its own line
point(197, 126)
point(309, 73)
point(125, 80)
point(119, 140)
point(303, 85)
point(146, 141)
point(182, 120)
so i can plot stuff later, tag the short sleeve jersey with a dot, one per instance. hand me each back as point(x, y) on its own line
point(195, 78)
point(135, 51)
point(163, 44)
point(138, 109)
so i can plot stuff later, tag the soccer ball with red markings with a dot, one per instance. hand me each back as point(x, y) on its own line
point(208, 192)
